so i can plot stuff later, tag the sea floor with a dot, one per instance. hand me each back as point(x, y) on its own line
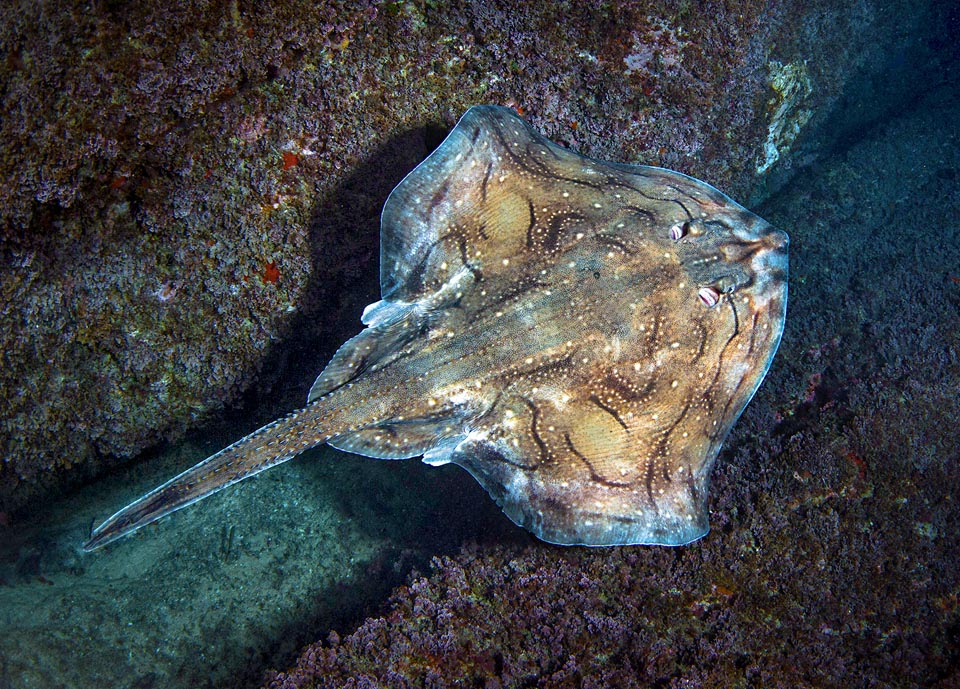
point(217, 593)
point(213, 595)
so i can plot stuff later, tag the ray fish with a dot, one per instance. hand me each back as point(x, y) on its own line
point(579, 335)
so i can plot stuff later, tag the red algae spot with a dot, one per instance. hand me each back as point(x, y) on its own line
point(858, 462)
point(290, 160)
point(516, 106)
point(723, 591)
point(168, 290)
point(118, 182)
point(947, 603)
point(271, 274)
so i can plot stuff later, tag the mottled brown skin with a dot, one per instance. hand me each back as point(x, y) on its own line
point(541, 326)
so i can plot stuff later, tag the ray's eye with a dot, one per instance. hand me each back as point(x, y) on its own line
point(596, 274)
point(709, 295)
point(679, 231)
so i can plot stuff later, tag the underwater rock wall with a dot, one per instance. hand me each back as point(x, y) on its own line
point(185, 187)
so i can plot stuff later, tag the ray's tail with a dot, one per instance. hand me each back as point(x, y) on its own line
point(264, 448)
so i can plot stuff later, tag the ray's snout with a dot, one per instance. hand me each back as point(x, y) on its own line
point(769, 237)
point(750, 228)
point(757, 243)
point(734, 249)
point(763, 252)
point(770, 259)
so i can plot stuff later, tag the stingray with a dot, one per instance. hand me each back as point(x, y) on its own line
point(579, 335)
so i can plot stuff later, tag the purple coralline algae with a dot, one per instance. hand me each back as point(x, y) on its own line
point(732, 614)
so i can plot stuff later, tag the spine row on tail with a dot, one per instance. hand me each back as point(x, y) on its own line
point(264, 448)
